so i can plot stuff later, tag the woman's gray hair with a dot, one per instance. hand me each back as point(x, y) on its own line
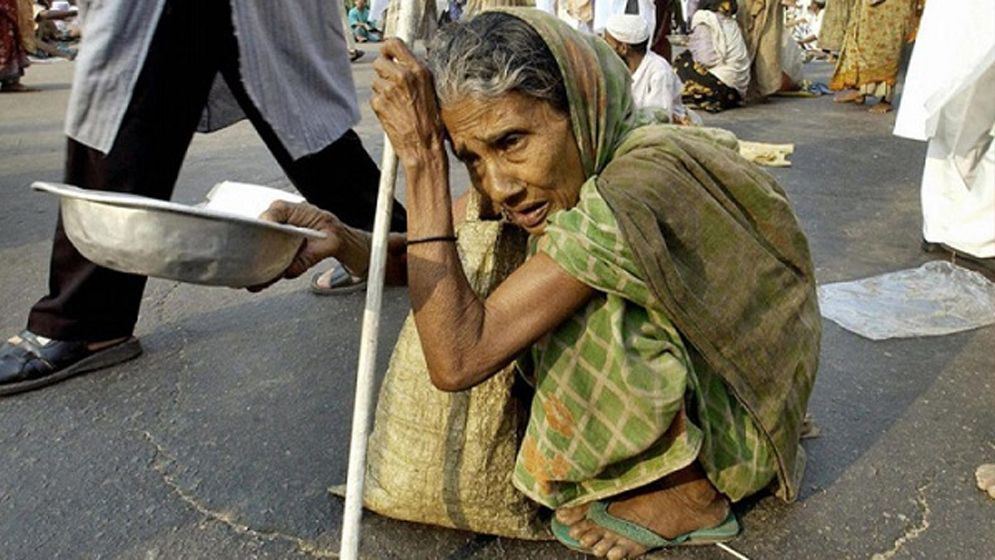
point(491, 55)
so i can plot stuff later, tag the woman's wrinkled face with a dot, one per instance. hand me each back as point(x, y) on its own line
point(520, 152)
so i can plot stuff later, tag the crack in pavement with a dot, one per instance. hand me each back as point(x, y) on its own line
point(181, 358)
point(159, 303)
point(158, 311)
point(914, 532)
point(160, 462)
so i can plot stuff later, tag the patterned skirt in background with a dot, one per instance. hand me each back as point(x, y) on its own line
point(13, 58)
point(872, 48)
point(702, 90)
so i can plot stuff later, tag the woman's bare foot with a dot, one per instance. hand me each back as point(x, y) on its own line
point(849, 96)
point(682, 502)
point(880, 108)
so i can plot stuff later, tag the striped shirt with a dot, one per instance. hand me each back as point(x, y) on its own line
point(308, 105)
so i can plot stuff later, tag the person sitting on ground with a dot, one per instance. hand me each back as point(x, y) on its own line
point(655, 85)
point(806, 26)
point(716, 67)
point(668, 308)
point(57, 21)
point(55, 25)
point(362, 28)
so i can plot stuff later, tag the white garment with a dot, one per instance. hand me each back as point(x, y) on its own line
point(791, 57)
point(604, 9)
point(647, 9)
point(548, 6)
point(815, 23)
point(948, 100)
point(655, 85)
point(957, 213)
point(564, 14)
point(378, 12)
point(733, 68)
point(627, 28)
point(806, 24)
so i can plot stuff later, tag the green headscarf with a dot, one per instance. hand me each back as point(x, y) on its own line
point(597, 84)
point(715, 236)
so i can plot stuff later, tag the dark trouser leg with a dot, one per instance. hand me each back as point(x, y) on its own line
point(340, 178)
point(88, 302)
point(343, 179)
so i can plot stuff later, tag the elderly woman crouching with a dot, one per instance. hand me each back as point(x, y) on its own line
point(668, 305)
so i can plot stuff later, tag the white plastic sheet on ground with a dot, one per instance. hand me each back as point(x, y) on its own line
point(935, 299)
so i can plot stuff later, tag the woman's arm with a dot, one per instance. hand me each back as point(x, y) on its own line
point(349, 245)
point(465, 339)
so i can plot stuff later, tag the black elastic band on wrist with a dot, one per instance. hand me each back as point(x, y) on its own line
point(430, 239)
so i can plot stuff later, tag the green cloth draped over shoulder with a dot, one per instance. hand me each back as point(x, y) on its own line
point(714, 238)
point(618, 401)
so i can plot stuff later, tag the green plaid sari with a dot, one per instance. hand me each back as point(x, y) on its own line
point(703, 341)
point(618, 403)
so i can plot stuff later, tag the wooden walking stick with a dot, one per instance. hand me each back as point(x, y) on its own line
point(363, 404)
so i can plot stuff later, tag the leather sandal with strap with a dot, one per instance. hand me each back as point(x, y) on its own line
point(29, 361)
point(340, 282)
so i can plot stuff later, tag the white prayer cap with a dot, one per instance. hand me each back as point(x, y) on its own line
point(628, 28)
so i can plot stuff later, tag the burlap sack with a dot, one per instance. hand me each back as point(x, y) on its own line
point(447, 458)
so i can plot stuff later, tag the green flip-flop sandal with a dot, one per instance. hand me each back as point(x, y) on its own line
point(598, 514)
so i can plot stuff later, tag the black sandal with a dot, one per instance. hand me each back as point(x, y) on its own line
point(28, 361)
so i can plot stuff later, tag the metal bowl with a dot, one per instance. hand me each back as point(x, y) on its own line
point(152, 237)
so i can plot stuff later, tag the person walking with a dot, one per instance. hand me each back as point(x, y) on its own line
point(947, 101)
point(148, 77)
